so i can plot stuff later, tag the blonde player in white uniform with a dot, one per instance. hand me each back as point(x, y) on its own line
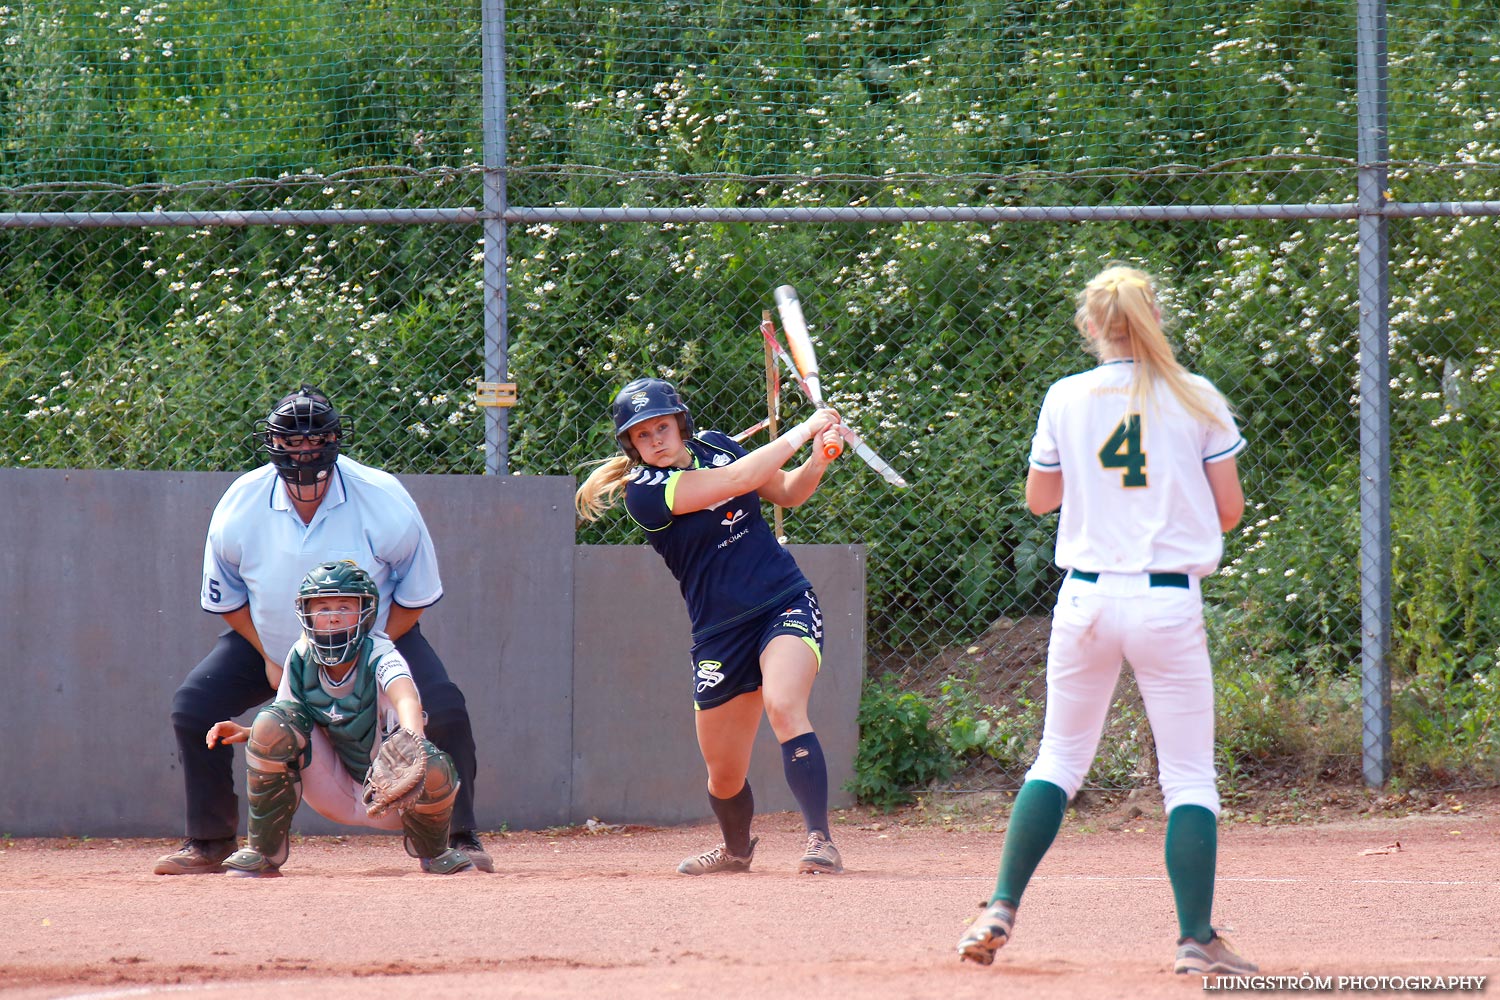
point(1140, 455)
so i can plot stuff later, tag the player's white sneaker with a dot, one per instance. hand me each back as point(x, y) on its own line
point(1216, 956)
point(718, 860)
point(988, 933)
point(820, 857)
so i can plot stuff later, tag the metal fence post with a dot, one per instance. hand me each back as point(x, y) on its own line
point(496, 334)
point(1374, 399)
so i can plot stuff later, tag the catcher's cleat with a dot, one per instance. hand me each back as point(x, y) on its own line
point(249, 863)
point(718, 860)
point(449, 862)
point(468, 842)
point(821, 857)
point(988, 933)
point(1216, 956)
point(196, 857)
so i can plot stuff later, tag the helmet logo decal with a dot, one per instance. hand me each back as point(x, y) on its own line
point(639, 400)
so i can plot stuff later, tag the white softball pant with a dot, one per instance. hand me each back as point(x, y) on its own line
point(1159, 630)
point(333, 793)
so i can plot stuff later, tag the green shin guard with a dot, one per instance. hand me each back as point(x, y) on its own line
point(274, 797)
point(273, 779)
point(426, 823)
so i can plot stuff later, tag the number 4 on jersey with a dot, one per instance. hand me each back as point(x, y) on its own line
point(1123, 451)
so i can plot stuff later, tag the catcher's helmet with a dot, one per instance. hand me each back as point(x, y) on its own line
point(310, 430)
point(643, 399)
point(338, 579)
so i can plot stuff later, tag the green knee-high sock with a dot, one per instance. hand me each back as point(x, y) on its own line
point(1034, 822)
point(1192, 855)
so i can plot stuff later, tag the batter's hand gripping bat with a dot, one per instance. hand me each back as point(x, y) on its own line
point(805, 371)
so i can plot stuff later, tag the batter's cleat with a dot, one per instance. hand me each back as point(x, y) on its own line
point(820, 857)
point(196, 857)
point(988, 933)
point(718, 860)
point(247, 863)
point(1216, 956)
point(468, 842)
point(449, 862)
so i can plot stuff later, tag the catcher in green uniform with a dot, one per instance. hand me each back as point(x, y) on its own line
point(345, 731)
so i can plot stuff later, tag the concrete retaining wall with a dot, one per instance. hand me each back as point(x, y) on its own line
point(581, 703)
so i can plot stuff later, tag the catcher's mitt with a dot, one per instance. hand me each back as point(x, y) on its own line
point(397, 774)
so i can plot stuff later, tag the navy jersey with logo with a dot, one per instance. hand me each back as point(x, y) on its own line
point(725, 558)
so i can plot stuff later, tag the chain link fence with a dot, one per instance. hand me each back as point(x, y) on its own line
point(128, 344)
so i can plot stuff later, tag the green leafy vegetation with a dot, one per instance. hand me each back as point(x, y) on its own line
point(158, 347)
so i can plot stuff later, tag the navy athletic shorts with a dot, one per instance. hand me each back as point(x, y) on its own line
point(727, 663)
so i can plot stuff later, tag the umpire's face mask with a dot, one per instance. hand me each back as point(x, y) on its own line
point(304, 463)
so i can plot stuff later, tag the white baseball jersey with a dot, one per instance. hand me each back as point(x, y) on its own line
point(1136, 498)
point(258, 550)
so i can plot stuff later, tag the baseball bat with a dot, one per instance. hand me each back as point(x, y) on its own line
point(864, 451)
point(803, 355)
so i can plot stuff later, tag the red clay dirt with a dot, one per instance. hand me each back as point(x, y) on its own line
point(569, 913)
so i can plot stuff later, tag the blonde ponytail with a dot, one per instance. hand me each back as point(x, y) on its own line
point(1119, 308)
point(602, 488)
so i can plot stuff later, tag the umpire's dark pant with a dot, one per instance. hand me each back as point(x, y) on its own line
point(231, 680)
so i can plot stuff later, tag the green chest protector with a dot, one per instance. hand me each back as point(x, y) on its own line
point(349, 719)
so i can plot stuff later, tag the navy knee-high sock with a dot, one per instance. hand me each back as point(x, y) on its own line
point(734, 815)
point(807, 776)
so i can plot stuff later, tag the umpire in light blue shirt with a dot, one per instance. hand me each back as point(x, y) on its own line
point(309, 505)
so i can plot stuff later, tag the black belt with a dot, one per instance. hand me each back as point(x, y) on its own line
point(1157, 579)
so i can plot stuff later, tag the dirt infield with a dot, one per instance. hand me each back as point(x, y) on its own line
point(568, 913)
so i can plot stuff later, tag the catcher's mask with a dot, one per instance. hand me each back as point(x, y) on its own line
point(337, 579)
point(641, 400)
point(302, 435)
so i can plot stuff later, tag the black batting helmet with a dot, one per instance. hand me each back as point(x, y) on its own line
point(643, 399)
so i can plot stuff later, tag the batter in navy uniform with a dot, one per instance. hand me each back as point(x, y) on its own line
point(757, 630)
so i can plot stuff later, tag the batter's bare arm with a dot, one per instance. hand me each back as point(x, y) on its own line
point(698, 489)
point(239, 619)
point(791, 488)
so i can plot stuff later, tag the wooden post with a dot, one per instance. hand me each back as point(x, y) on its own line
point(773, 396)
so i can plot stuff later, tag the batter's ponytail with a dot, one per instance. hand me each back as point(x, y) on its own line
point(599, 491)
point(1119, 307)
